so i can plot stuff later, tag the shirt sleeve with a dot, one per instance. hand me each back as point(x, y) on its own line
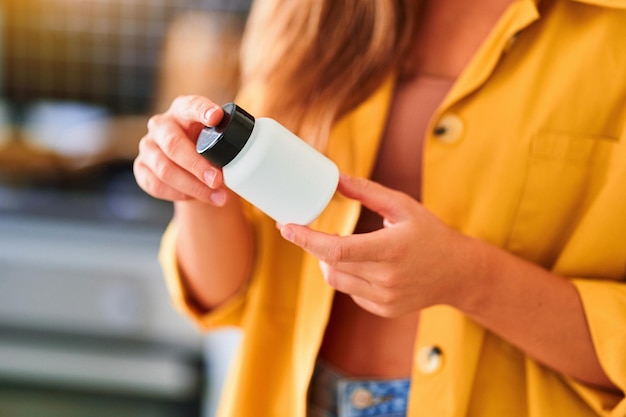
point(228, 314)
point(604, 303)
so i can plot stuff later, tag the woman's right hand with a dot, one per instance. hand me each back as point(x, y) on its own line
point(168, 166)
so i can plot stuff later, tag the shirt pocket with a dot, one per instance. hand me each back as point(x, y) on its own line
point(564, 174)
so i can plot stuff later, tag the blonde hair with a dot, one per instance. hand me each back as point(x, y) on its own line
point(315, 60)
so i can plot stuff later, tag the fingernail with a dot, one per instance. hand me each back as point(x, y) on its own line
point(209, 113)
point(209, 177)
point(287, 233)
point(218, 197)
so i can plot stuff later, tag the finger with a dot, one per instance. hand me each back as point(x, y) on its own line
point(196, 109)
point(148, 182)
point(167, 174)
point(178, 147)
point(388, 203)
point(344, 282)
point(364, 294)
point(333, 249)
point(375, 308)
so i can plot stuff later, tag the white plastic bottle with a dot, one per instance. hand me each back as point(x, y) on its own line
point(269, 166)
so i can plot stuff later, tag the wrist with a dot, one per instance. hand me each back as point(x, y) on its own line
point(474, 276)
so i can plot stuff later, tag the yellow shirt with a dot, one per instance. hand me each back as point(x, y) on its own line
point(527, 152)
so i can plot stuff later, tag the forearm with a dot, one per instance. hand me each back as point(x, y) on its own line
point(539, 312)
point(214, 250)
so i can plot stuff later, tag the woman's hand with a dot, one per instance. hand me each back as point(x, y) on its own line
point(413, 262)
point(168, 166)
point(214, 243)
point(417, 261)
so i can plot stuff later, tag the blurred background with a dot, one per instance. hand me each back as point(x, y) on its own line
point(86, 326)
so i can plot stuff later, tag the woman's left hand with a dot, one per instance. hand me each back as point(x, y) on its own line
point(413, 262)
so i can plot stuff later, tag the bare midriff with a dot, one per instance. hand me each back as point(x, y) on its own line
point(389, 341)
point(357, 342)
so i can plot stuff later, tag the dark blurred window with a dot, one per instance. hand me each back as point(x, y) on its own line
point(103, 52)
point(77, 81)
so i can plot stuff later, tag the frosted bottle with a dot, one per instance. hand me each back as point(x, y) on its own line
point(269, 166)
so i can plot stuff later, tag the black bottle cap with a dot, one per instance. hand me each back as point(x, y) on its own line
point(222, 143)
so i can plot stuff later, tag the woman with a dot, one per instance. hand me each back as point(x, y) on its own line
point(479, 271)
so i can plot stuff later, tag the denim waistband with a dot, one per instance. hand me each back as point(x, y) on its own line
point(333, 395)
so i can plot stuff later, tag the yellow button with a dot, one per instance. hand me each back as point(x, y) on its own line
point(449, 129)
point(429, 359)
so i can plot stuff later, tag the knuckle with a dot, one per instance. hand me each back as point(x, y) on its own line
point(137, 167)
point(198, 166)
point(156, 189)
point(143, 144)
point(200, 191)
point(336, 253)
point(387, 281)
point(164, 170)
point(394, 252)
point(394, 282)
point(154, 121)
point(194, 101)
point(179, 101)
point(365, 184)
point(171, 145)
point(186, 102)
point(150, 185)
point(386, 297)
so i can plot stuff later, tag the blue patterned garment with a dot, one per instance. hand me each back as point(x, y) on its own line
point(334, 395)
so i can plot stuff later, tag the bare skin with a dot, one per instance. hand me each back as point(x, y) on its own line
point(383, 295)
point(168, 167)
point(389, 341)
point(440, 55)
